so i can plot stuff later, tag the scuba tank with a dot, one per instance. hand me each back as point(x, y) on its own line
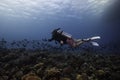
point(65, 34)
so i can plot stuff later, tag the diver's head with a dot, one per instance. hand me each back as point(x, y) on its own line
point(55, 31)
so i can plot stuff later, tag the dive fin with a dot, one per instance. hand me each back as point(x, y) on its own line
point(95, 37)
point(94, 43)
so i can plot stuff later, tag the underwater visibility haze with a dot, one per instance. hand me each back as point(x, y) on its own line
point(25, 32)
point(34, 20)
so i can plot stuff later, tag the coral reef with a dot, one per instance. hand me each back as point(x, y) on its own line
point(42, 64)
point(30, 76)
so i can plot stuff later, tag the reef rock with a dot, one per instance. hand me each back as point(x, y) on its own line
point(30, 76)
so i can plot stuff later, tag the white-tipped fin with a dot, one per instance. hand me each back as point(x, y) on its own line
point(94, 43)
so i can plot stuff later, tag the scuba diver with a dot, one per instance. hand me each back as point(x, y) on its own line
point(65, 38)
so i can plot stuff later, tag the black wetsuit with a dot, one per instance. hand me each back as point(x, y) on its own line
point(58, 36)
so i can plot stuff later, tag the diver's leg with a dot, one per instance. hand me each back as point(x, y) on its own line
point(80, 41)
point(83, 40)
point(77, 42)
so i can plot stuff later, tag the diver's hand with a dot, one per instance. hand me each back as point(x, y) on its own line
point(61, 42)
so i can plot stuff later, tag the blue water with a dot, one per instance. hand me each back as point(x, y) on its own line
point(34, 20)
